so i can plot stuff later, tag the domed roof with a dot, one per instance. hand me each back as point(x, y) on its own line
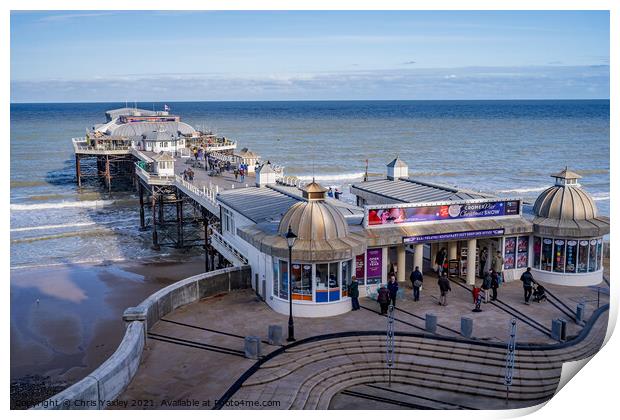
point(566, 210)
point(566, 200)
point(314, 219)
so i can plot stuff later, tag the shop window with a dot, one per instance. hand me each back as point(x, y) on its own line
point(592, 259)
point(547, 254)
point(283, 286)
point(346, 277)
point(571, 256)
point(334, 288)
point(302, 281)
point(582, 257)
point(276, 279)
point(558, 255)
point(537, 251)
point(599, 250)
point(321, 283)
point(523, 247)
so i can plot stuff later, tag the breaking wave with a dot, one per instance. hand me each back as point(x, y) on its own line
point(525, 190)
point(62, 205)
point(600, 196)
point(332, 177)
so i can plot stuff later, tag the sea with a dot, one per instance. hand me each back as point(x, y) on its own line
point(507, 148)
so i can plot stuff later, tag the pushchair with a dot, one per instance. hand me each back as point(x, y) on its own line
point(539, 294)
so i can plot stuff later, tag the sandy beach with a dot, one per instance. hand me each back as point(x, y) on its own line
point(67, 319)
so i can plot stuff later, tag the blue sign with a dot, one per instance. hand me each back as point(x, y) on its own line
point(455, 236)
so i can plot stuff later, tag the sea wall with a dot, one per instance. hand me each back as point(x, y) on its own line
point(99, 389)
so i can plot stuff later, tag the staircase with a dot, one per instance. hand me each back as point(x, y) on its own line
point(308, 376)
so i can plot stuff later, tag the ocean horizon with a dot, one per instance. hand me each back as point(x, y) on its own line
point(503, 147)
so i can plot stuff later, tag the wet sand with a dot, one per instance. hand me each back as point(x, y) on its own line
point(77, 321)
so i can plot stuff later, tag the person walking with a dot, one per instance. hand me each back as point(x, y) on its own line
point(494, 284)
point(483, 263)
point(393, 289)
point(498, 266)
point(236, 172)
point(528, 281)
point(383, 297)
point(354, 293)
point(417, 279)
point(486, 285)
point(444, 288)
point(242, 174)
point(440, 260)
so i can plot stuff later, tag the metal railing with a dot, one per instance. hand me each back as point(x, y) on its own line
point(153, 178)
point(205, 192)
point(216, 236)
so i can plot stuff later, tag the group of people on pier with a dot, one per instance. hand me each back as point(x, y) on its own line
point(387, 293)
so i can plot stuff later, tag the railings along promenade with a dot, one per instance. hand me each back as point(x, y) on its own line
point(111, 378)
point(204, 195)
point(151, 178)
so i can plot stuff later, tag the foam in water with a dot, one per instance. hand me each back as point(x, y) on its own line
point(525, 190)
point(61, 205)
point(332, 177)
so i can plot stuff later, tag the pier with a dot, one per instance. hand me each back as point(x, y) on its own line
point(179, 209)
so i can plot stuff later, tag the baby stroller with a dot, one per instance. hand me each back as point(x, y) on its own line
point(539, 294)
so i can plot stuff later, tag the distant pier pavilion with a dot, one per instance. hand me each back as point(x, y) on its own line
point(196, 189)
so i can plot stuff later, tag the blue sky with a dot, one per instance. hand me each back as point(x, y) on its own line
point(167, 56)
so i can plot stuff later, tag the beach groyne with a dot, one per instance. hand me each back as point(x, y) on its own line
point(99, 389)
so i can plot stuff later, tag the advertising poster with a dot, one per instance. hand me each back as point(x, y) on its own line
point(509, 253)
point(374, 265)
point(359, 268)
point(522, 251)
point(399, 215)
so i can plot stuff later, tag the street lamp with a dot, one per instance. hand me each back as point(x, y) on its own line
point(290, 240)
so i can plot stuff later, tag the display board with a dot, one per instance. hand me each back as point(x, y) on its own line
point(411, 213)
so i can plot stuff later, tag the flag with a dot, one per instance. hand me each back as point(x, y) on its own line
point(166, 108)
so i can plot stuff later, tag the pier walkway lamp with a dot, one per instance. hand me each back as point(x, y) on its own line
point(290, 240)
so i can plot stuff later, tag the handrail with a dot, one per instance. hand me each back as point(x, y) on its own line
point(218, 237)
point(221, 402)
point(205, 192)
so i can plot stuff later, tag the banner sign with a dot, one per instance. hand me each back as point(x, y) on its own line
point(374, 261)
point(453, 236)
point(416, 214)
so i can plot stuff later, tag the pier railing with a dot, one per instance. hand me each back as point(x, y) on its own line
point(205, 195)
point(151, 178)
point(227, 250)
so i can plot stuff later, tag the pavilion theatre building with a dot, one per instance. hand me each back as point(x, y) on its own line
point(399, 223)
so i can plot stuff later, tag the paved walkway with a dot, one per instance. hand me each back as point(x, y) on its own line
point(196, 356)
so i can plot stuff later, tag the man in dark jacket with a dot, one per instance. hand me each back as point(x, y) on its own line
point(354, 294)
point(393, 288)
point(444, 288)
point(416, 282)
point(528, 281)
point(383, 297)
point(494, 284)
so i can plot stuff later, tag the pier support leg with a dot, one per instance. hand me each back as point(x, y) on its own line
point(78, 170)
point(108, 177)
point(141, 194)
point(155, 244)
point(179, 203)
point(161, 210)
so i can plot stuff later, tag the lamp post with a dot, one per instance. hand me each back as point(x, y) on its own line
point(290, 240)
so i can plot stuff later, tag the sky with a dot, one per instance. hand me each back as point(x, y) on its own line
point(111, 56)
